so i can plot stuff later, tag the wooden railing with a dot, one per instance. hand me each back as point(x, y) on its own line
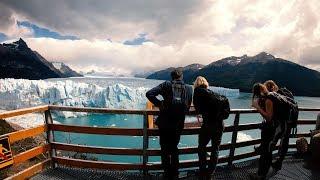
point(52, 146)
point(27, 133)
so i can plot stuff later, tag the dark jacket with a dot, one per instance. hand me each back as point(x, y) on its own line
point(168, 117)
point(205, 105)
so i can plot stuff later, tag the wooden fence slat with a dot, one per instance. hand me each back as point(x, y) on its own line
point(25, 133)
point(96, 130)
point(306, 121)
point(149, 106)
point(95, 149)
point(22, 134)
point(97, 164)
point(31, 153)
point(305, 134)
point(194, 149)
point(103, 110)
point(137, 152)
point(29, 172)
point(309, 109)
point(19, 112)
point(43, 108)
point(234, 138)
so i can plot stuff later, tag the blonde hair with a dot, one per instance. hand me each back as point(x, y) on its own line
point(271, 85)
point(201, 81)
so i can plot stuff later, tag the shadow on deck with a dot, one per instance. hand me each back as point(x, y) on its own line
point(293, 168)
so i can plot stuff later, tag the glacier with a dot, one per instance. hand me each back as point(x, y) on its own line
point(231, 93)
point(22, 93)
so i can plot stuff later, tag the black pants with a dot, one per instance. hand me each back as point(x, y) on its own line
point(169, 140)
point(284, 143)
point(206, 134)
point(267, 136)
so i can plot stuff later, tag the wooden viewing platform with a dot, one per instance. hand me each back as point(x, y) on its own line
point(56, 164)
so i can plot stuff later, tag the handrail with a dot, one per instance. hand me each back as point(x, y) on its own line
point(145, 151)
point(18, 112)
point(148, 112)
point(25, 133)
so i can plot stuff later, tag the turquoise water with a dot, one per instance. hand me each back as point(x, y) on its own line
point(135, 121)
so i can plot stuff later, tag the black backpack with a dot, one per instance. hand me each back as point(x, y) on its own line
point(178, 102)
point(294, 111)
point(285, 92)
point(221, 103)
point(288, 110)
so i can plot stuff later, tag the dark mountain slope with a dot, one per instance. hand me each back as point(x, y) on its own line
point(188, 72)
point(242, 72)
point(17, 60)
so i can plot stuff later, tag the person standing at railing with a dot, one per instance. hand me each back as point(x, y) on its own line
point(177, 98)
point(289, 124)
point(214, 108)
point(266, 108)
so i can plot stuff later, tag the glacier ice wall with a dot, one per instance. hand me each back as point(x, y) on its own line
point(20, 93)
point(226, 91)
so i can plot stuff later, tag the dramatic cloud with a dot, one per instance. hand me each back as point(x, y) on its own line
point(8, 24)
point(109, 56)
point(179, 32)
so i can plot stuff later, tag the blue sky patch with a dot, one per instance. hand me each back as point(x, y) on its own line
point(43, 32)
point(3, 37)
point(137, 41)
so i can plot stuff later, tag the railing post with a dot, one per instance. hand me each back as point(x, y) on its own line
point(234, 138)
point(318, 122)
point(145, 143)
point(50, 135)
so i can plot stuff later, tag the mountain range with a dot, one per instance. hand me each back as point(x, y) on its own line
point(242, 72)
point(18, 61)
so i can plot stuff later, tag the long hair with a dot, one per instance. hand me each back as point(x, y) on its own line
point(201, 81)
point(271, 85)
point(258, 89)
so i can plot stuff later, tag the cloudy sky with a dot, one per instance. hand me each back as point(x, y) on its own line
point(128, 36)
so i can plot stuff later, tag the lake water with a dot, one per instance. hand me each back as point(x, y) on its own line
point(242, 101)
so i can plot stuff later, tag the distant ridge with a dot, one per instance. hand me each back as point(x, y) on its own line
point(188, 72)
point(242, 72)
point(66, 70)
point(17, 61)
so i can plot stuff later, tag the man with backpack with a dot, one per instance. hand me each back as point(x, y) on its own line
point(177, 98)
point(214, 108)
point(290, 112)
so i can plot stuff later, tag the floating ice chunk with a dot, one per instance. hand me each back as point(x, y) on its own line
point(243, 137)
